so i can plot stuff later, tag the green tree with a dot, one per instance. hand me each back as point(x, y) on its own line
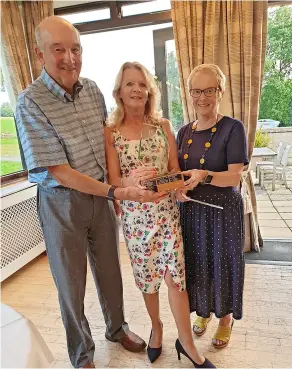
point(175, 108)
point(276, 99)
point(279, 45)
point(6, 110)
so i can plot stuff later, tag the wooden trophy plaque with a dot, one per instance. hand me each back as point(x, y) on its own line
point(167, 182)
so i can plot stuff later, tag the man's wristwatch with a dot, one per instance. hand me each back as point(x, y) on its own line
point(207, 179)
point(111, 193)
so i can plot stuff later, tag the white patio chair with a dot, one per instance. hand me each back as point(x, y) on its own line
point(267, 170)
point(280, 150)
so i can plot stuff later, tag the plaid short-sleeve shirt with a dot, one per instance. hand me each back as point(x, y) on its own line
point(56, 128)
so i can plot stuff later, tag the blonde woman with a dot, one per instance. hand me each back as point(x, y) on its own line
point(212, 150)
point(140, 144)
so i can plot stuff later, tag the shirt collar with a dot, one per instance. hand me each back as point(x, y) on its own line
point(57, 90)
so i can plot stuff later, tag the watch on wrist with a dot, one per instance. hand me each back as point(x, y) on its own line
point(111, 193)
point(208, 179)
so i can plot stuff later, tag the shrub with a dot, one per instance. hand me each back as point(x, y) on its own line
point(262, 139)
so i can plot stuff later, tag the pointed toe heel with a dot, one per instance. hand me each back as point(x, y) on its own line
point(180, 350)
point(153, 352)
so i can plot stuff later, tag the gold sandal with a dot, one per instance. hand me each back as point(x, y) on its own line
point(222, 334)
point(202, 324)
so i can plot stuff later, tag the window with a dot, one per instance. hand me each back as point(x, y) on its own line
point(274, 126)
point(276, 98)
point(91, 15)
point(104, 53)
point(141, 32)
point(167, 73)
point(10, 154)
point(175, 108)
point(146, 7)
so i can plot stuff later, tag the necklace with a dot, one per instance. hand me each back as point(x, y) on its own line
point(207, 144)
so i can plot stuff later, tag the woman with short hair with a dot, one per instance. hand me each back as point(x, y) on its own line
point(212, 150)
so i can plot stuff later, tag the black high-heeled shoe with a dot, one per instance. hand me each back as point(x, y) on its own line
point(180, 350)
point(153, 352)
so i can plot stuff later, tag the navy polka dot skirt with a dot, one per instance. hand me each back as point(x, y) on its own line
point(213, 242)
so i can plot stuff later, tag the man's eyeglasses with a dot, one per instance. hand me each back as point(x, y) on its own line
point(209, 92)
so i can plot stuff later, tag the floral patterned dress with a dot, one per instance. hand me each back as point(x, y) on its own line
point(151, 230)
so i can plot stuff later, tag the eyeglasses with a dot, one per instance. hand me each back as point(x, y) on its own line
point(209, 92)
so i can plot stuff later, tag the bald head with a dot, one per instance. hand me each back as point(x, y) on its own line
point(59, 51)
point(50, 26)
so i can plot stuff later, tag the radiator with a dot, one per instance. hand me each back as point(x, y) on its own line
point(21, 235)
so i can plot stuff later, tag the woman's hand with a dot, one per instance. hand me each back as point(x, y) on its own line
point(179, 194)
point(138, 175)
point(196, 176)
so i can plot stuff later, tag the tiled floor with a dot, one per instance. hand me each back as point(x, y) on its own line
point(275, 209)
point(262, 339)
point(275, 212)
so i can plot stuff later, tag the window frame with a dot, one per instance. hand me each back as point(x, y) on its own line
point(160, 36)
point(7, 178)
point(117, 21)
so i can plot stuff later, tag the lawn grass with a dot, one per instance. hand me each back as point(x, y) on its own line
point(9, 147)
point(8, 125)
point(8, 167)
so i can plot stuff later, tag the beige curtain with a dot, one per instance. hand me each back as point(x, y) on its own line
point(33, 12)
point(14, 58)
point(231, 34)
point(196, 32)
point(245, 35)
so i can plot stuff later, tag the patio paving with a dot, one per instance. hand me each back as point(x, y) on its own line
point(275, 208)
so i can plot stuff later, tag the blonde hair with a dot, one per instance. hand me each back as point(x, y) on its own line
point(152, 115)
point(213, 68)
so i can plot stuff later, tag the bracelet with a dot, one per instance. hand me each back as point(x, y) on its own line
point(203, 181)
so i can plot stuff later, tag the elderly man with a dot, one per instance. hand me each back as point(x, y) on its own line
point(60, 120)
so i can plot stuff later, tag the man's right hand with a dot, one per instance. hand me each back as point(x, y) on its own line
point(138, 194)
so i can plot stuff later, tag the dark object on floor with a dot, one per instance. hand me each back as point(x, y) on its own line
point(273, 252)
